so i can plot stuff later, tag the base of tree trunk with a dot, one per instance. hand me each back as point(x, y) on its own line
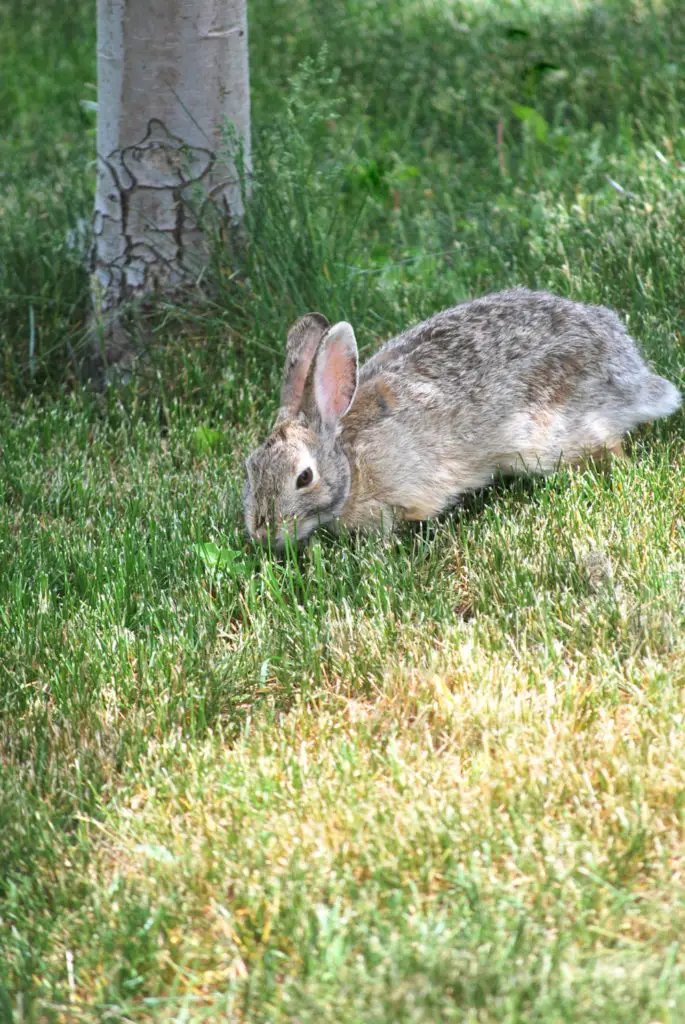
point(114, 345)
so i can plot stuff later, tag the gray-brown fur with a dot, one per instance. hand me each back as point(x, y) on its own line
point(516, 381)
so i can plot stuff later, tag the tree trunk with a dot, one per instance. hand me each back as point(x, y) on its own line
point(171, 74)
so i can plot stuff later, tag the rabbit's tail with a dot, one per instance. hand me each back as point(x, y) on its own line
point(659, 398)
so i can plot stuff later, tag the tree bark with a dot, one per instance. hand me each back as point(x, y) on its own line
point(171, 74)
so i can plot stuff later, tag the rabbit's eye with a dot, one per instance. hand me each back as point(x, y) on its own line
point(304, 479)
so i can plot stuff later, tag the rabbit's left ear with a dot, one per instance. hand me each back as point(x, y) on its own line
point(304, 339)
point(335, 373)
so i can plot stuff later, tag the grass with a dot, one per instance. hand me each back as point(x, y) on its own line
point(438, 780)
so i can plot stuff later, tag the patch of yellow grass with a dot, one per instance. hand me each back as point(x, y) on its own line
point(480, 773)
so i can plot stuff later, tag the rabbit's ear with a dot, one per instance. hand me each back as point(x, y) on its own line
point(335, 373)
point(304, 338)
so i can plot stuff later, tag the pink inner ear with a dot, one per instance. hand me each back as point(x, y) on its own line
point(336, 373)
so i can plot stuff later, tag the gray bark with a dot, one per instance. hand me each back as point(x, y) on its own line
point(171, 74)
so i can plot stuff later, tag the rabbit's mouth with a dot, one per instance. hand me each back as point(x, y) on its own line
point(297, 532)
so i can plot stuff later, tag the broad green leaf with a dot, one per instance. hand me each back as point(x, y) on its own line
point(205, 439)
point(533, 118)
point(214, 556)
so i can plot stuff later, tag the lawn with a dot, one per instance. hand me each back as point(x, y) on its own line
point(440, 779)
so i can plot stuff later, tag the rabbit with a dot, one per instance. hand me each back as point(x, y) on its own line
point(511, 382)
